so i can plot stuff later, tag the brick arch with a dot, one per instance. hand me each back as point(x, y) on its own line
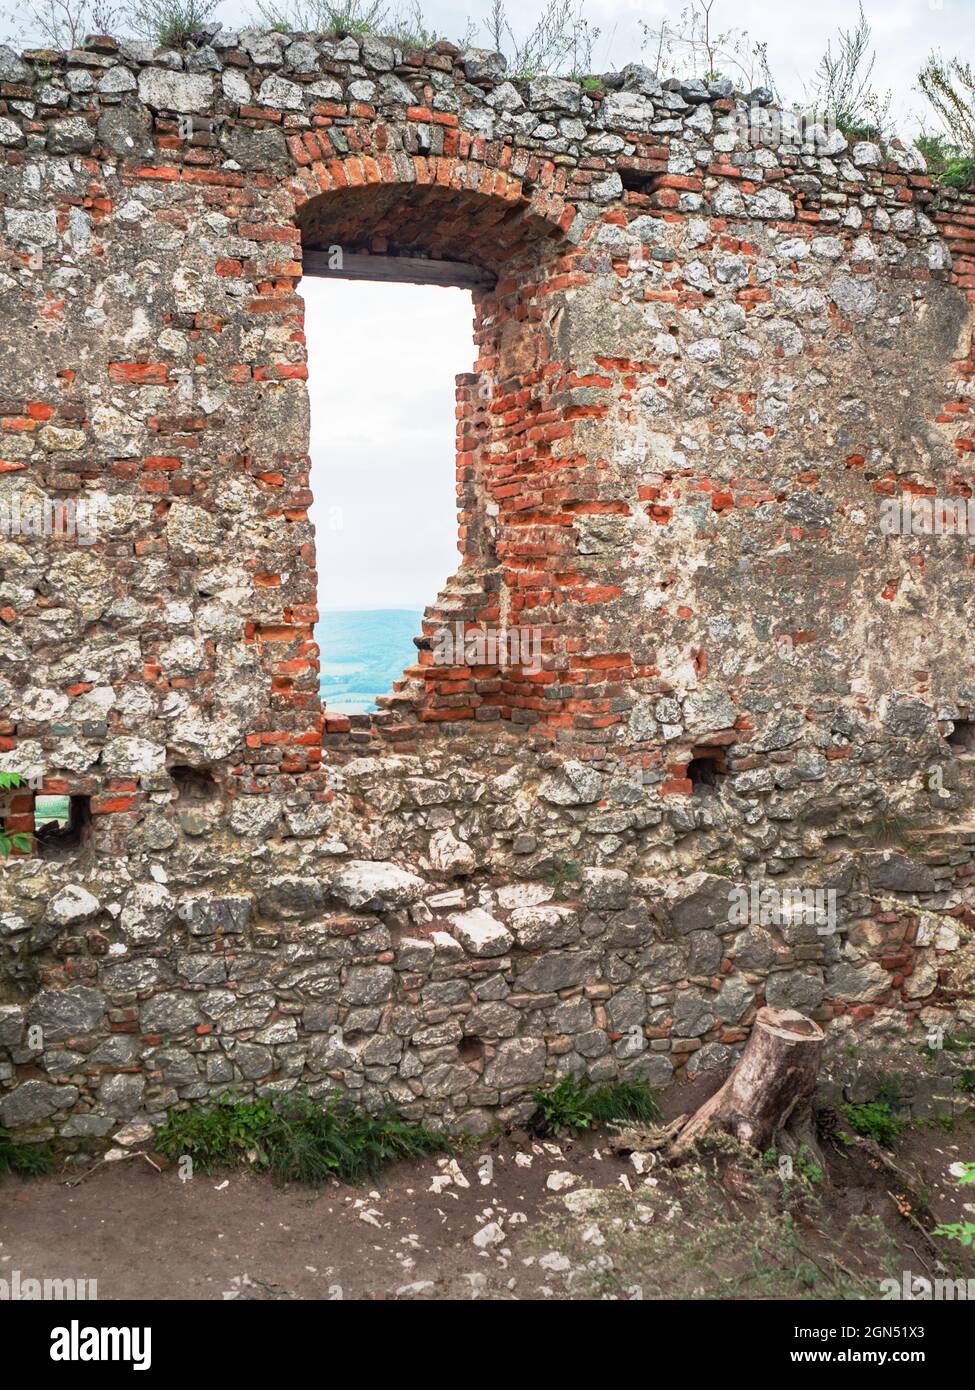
point(435, 221)
point(542, 206)
point(468, 211)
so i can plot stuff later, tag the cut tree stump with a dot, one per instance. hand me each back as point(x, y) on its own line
point(767, 1100)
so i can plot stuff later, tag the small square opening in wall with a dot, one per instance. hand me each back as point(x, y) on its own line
point(60, 824)
point(705, 772)
point(962, 736)
point(637, 180)
point(470, 1050)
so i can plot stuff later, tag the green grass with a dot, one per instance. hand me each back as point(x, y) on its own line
point(26, 1160)
point(875, 1119)
point(51, 808)
point(945, 1123)
point(687, 1238)
point(295, 1138)
point(562, 873)
point(962, 1231)
point(804, 1165)
point(960, 1042)
point(856, 129)
point(575, 1104)
point(947, 163)
point(170, 23)
point(951, 1042)
point(964, 1081)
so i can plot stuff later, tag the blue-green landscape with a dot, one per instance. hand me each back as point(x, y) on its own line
point(363, 653)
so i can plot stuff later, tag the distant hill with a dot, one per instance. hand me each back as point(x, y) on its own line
point(363, 653)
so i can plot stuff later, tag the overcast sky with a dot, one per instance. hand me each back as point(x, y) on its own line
point(381, 366)
point(382, 358)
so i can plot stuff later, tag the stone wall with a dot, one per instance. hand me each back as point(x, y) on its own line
point(711, 347)
point(455, 1003)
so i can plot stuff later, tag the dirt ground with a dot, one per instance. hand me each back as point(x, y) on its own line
point(508, 1218)
point(236, 1235)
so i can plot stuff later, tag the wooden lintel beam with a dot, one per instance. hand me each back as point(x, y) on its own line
point(414, 270)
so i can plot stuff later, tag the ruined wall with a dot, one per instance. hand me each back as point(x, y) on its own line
point(715, 345)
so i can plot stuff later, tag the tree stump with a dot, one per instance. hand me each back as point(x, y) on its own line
point(767, 1099)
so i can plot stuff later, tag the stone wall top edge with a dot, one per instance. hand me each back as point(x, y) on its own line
point(282, 74)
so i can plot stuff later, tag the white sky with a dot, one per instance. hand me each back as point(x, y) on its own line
point(796, 31)
point(382, 358)
point(381, 366)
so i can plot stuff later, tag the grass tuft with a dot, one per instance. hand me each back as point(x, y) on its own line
point(947, 163)
point(296, 1138)
point(875, 1119)
point(575, 1104)
point(26, 1160)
